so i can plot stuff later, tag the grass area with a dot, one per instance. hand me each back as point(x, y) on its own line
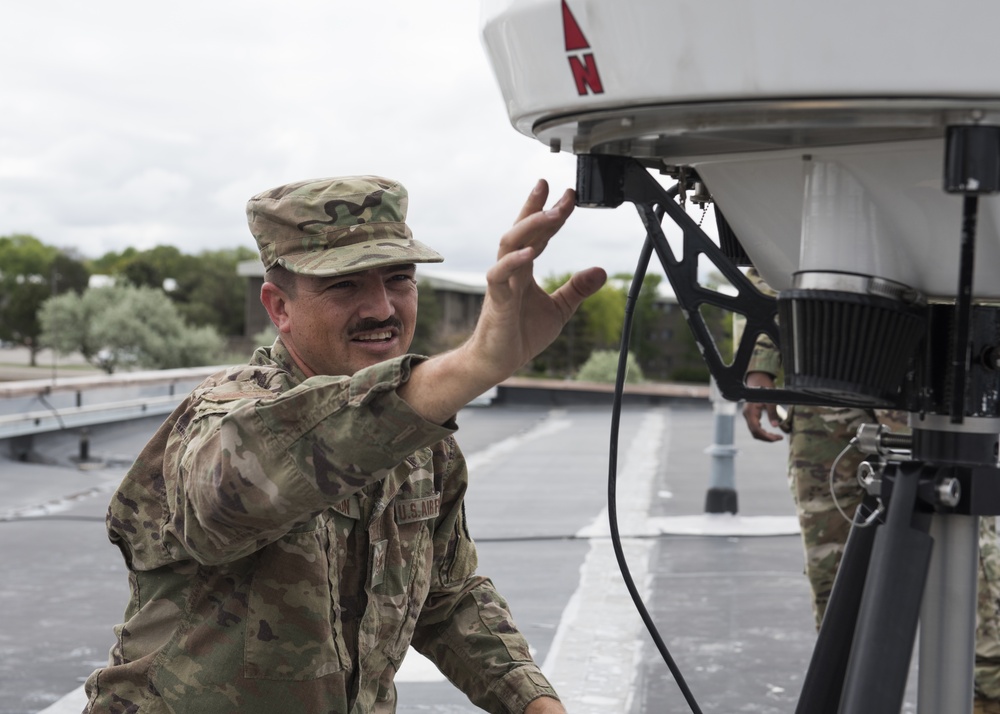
point(15, 363)
point(48, 367)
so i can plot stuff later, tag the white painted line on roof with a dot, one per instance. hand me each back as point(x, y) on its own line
point(724, 524)
point(72, 703)
point(592, 662)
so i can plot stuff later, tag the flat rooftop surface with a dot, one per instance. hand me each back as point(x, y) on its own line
point(726, 593)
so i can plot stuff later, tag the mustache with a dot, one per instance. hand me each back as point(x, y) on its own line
point(372, 325)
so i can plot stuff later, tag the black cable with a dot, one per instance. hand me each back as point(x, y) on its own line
point(55, 412)
point(633, 294)
point(963, 307)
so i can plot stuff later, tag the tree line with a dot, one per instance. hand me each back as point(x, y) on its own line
point(588, 347)
point(161, 308)
point(158, 307)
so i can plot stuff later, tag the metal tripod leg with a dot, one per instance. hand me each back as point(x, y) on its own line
point(825, 678)
point(890, 606)
point(948, 617)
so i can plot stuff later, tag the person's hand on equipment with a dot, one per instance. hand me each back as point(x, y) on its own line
point(753, 411)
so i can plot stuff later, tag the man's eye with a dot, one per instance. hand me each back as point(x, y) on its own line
point(343, 284)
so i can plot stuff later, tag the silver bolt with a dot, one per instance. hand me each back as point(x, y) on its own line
point(949, 491)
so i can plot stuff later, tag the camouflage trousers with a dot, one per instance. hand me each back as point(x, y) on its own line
point(818, 436)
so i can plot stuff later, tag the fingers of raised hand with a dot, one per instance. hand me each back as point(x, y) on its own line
point(577, 289)
point(508, 265)
point(535, 201)
point(535, 226)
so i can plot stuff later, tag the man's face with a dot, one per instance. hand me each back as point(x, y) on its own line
point(339, 325)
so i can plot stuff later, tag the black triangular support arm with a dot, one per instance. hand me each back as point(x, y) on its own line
point(609, 181)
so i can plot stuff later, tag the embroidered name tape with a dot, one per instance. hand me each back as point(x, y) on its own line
point(348, 507)
point(418, 509)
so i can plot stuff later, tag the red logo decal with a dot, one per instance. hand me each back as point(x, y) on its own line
point(582, 65)
point(574, 35)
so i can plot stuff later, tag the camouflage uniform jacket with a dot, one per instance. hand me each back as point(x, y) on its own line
point(287, 539)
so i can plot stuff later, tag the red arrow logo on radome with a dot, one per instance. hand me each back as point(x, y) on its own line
point(582, 64)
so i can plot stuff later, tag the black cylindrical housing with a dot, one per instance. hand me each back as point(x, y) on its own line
point(972, 159)
point(600, 181)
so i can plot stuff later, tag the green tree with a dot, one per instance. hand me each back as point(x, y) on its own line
point(150, 268)
point(19, 315)
point(69, 272)
point(125, 326)
point(23, 254)
point(205, 287)
point(30, 273)
point(141, 272)
point(691, 367)
point(602, 366)
point(209, 292)
point(604, 314)
point(597, 324)
point(645, 317)
point(112, 263)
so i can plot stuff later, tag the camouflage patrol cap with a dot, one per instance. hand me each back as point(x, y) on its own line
point(334, 226)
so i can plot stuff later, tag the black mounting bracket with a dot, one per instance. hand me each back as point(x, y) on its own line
point(609, 181)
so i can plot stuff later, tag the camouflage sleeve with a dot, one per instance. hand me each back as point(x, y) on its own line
point(766, 356)
point(243, 468)
point(466, 627)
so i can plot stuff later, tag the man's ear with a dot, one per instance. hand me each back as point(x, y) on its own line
point(275, 301)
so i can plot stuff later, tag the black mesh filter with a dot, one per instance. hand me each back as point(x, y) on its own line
point(848, 346)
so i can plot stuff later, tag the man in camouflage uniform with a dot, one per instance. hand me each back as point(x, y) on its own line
point(817, 437)
point(297, 523)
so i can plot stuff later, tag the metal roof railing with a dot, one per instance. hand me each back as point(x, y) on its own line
point(36, 406)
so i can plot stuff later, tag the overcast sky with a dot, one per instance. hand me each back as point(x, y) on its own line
point(129, 123)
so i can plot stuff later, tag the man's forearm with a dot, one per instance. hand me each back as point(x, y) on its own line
point(438, 388)
point(545, 705)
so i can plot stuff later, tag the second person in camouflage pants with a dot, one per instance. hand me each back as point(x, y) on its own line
point(817, 436)
point(817, 440)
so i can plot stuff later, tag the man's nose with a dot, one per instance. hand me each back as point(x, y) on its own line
point(375, 303)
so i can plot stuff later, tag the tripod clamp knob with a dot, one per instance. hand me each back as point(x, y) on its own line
point(878, 440)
